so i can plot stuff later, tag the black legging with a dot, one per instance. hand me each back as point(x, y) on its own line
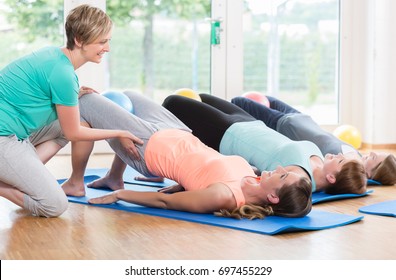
point(269, 116)
point(208, 119)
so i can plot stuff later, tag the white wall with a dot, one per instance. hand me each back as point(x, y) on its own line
point(227, 57)
point(368, 64)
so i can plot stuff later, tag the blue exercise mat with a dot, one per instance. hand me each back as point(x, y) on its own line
point(87, 179)
point(372, 182)
point(129, 177)
point(315, 220)
point(318, 197)
point(131, 173)
point(386, 208)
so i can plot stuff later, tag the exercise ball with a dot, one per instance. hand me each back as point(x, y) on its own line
point(120, 99)
point(187, 92)
point(258, 97)
point(349, 134)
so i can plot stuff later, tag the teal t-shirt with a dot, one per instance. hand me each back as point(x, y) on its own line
point(266, 148)
point(31, 86)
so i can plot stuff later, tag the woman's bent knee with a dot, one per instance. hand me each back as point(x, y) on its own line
point(60, 208)
point(47, 208)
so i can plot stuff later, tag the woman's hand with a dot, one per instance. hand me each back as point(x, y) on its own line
point(85, 90)
point(106, 199)
point(129, 142)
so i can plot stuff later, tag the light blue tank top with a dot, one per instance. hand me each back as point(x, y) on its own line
point(266, 149)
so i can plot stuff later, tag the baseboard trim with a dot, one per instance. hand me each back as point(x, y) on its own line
point(378, 146)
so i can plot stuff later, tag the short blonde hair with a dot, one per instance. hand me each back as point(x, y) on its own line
point(86, 24)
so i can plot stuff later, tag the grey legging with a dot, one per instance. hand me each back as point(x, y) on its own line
point(148, 117)
point(21, 167)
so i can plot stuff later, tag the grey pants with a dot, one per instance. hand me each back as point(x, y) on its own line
point(51, 132)
point(148, 117)
point(21, 167)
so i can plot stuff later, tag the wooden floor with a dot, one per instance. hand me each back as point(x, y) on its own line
point(94, 233)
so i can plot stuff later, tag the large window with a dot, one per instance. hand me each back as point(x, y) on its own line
point(291, 52)
point(159, 46)
point(156, 48)
point(290, 47)
point(29, 25)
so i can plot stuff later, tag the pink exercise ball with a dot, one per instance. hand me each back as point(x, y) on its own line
point(258, 97)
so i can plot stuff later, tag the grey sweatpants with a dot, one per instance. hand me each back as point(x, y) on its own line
point(148, 117)
point(51, 132)
point(21, 168)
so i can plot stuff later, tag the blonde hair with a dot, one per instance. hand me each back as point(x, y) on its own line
point(247, 211)
point(86, 24)
point(385, 172)
point(295, 200)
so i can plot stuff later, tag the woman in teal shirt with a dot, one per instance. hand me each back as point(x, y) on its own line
point(37, 90)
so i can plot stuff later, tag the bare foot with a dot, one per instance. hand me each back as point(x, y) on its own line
point(108, 183)
point(106, 199)
point(73, 187)
point(150, 179)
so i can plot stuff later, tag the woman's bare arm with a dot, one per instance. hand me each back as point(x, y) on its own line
point(213, 198)
point(69, 119)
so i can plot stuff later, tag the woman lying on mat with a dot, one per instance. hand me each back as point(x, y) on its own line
point(232, 131)
point(290, 122)
point(35, 91)
point(208, 181)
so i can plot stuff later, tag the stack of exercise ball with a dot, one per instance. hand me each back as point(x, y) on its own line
point(258, 97)
point(120, 99)
point(349, 134)
point(187, 92)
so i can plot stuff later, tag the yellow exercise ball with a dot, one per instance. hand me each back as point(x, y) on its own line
point(187, 92)
point(349, 134)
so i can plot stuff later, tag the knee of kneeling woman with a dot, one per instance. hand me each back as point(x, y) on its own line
point(51, 209)
point(60, 208)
